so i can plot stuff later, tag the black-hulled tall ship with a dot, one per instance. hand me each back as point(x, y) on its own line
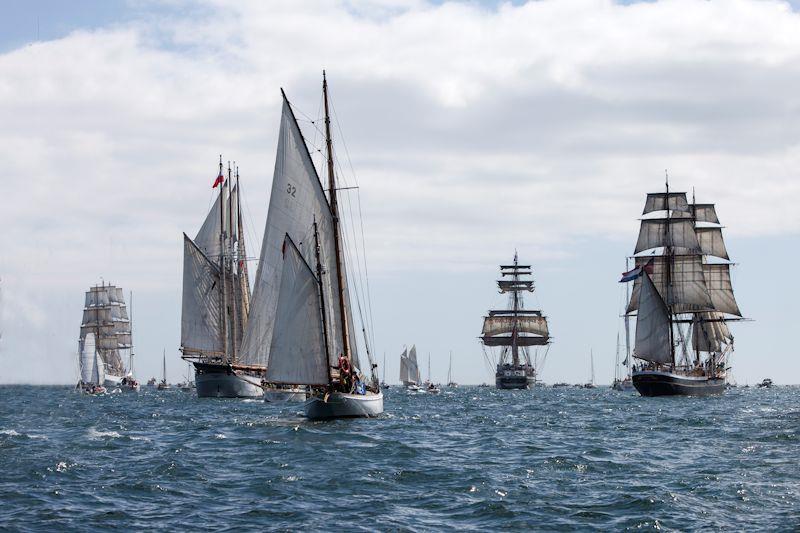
point(516, 331)
point(682, 297)
point(216, 300)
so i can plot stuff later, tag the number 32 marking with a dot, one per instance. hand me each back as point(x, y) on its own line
point(291, 189)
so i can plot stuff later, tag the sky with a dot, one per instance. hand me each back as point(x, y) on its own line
point(472, 129)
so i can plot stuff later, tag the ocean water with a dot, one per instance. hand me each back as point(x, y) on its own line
point(470, 459)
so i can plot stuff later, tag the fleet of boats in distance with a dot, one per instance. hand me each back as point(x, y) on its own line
point(294, 337)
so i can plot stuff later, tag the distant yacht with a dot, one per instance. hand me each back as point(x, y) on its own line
point(590, 384)
point(163, 385)
point(409, 369)
point(384, 385)
point(105, 316)
point(622, 383)
point(515, 330)
point(683, 298)
point(450, 383)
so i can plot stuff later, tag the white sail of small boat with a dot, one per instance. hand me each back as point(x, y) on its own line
point(301, 315)
point(105, 317)
point(450, 383)
point(682, 298)
point(590, 384)
point(409, 369)
point(164, 385)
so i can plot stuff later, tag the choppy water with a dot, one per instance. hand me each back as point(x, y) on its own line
point(473, 458)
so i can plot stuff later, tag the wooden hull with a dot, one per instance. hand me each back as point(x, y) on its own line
point(221, 381)
point(661, 383)
point(341, 405)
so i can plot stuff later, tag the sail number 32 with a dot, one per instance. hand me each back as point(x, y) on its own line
point(291, 190)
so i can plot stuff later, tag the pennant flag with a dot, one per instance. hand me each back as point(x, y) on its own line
point(631, 275)
point(219, 181)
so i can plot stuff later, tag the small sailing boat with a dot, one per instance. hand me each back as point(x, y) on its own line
point(590, 383)
point(188, 385)
point(163, 385)
point(409, 369)
point(683, 299)
point(92, 367)
point(450, 383)
point(152, 382)
point(310, 335)
point(429, 385)
point(216, 299)
point(622, 384)
point(515, 330)
point(105, 316)
point(384, 385)
point(765, 384)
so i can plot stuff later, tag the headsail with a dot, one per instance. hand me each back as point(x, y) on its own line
point(652, 325)
point(298, 344)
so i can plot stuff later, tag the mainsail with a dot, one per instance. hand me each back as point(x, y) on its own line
point(409, 368)
point(296, 201)
point(652, 325)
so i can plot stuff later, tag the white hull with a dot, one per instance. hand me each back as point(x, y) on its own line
point(112, 382)
point(341, 405)
point(296, 394)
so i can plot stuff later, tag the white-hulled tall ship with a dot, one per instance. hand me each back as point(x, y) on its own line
point(105, 318)
point(682, 297)
point(515, 330)
point(216, 300)
point(301, 303)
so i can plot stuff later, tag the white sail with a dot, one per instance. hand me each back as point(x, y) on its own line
point(661, 232)
point(497, 325)
point(414, 365)
point(652, 325)
point(298, 345)
point(688, 289)
point(98, 369)
point(711, 242)
point(404, 367)
point(207, 239)
point(704, 213)
point(718, 279)
point(661, 201)
point(200, 313)
point(296, 200)
point(87, 358)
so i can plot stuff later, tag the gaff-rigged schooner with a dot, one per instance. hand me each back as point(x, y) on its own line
point(105, 318)
point(301, 309)
point(409, 369)
point(515, 330)
point(682, 297)
point(216, 299)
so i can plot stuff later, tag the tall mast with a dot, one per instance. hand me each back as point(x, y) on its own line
point(322, 300)
point(130, 320)
point(241, 249)
point(670, 256)
point(627, 327)
point(222, 293)
point(335, 216)
point(515, 308)
point(234, 328)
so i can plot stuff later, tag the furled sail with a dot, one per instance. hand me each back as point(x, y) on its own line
point(662, 232)
point(298, 345)
point(296, 200)
point(662, 201)
point(652, 325)
point(200, 313)
point(87, 360)
point(688, 291)
point(710, 333)
point(711, 242)
point(515, 285)
point(718, 280)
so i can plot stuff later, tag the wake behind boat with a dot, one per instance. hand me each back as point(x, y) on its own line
point(681, 299)
point(301, 287)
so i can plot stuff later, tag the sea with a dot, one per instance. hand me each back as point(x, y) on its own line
point(470, 458)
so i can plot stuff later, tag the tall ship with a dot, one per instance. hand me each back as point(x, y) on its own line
point(216, 299)
point(682, 298)
point(409, 369)
point(516, 331)
point(301, 321)
point(103, 356)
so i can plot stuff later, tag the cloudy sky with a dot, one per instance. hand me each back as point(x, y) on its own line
point(472, 128)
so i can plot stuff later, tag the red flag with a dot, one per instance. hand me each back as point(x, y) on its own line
point(219, 181)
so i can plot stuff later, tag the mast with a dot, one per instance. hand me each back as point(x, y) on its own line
point(335, 217)
point(322, 300)
point(515, 309)
point(670, 256)
point(234, 328)
point(241, 250)
point(627, 328)
point(130, 354)
point(165, 365)
point(450, 369)
point(222, 293)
